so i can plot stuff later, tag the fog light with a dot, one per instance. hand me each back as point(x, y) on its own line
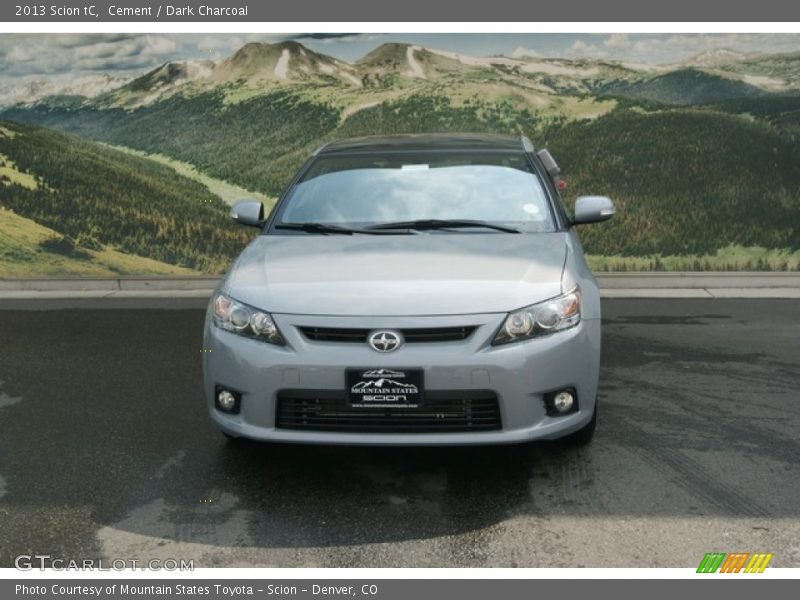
point(563, 402)
point(227, 401)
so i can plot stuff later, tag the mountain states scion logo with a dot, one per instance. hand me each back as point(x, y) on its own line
point(383, 383)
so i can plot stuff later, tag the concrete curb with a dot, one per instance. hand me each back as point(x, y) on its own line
point(108, 284)
point(784, 292)
point(709, 280)
point(612, 285)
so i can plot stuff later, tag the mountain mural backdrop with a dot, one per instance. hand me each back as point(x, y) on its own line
point(701, 157)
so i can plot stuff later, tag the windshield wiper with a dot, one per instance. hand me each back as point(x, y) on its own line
point(324, 229)
point(422, 224)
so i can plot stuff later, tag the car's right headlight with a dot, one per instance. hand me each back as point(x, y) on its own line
point(561, 312)
point(241, 319)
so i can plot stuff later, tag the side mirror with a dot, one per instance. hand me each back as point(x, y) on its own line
point(248, 212)
point(591, 209)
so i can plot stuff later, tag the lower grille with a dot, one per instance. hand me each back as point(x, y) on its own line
point(411, 335)
point(440, 412)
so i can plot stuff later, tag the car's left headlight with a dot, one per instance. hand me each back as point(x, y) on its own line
point(241, 319)
point(556, 314)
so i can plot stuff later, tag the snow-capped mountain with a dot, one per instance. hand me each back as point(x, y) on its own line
point(394, 68)
point(258, 63)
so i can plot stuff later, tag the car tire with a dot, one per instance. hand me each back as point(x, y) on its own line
point(583, 436)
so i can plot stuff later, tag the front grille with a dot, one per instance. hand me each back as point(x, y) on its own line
point(440, 412)
point(411, 335)
point(437, 334)
point(331, 334)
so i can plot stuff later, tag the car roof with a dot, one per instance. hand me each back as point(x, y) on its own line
point(428, 141)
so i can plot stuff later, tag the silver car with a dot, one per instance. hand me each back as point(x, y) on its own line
point(410, 290)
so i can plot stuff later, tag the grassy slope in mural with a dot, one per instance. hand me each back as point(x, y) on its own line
point(27, 250)
point(96, 200)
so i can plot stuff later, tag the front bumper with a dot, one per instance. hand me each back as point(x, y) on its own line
point(519, 374)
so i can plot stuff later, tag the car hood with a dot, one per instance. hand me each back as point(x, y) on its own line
point(427, 274)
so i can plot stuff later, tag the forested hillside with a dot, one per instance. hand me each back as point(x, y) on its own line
point(95, 197)
point(685, 182)
point(257, 143)
point(684, 87)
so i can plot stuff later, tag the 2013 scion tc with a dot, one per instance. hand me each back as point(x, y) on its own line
point(418, 289)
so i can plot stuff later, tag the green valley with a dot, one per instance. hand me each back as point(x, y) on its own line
point(94, 204)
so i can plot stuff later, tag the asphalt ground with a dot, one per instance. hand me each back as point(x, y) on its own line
point(106, 451)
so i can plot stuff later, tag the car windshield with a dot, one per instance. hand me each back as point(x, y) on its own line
point(363, 191)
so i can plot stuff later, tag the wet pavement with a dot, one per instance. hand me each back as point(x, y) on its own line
point(106, 451)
